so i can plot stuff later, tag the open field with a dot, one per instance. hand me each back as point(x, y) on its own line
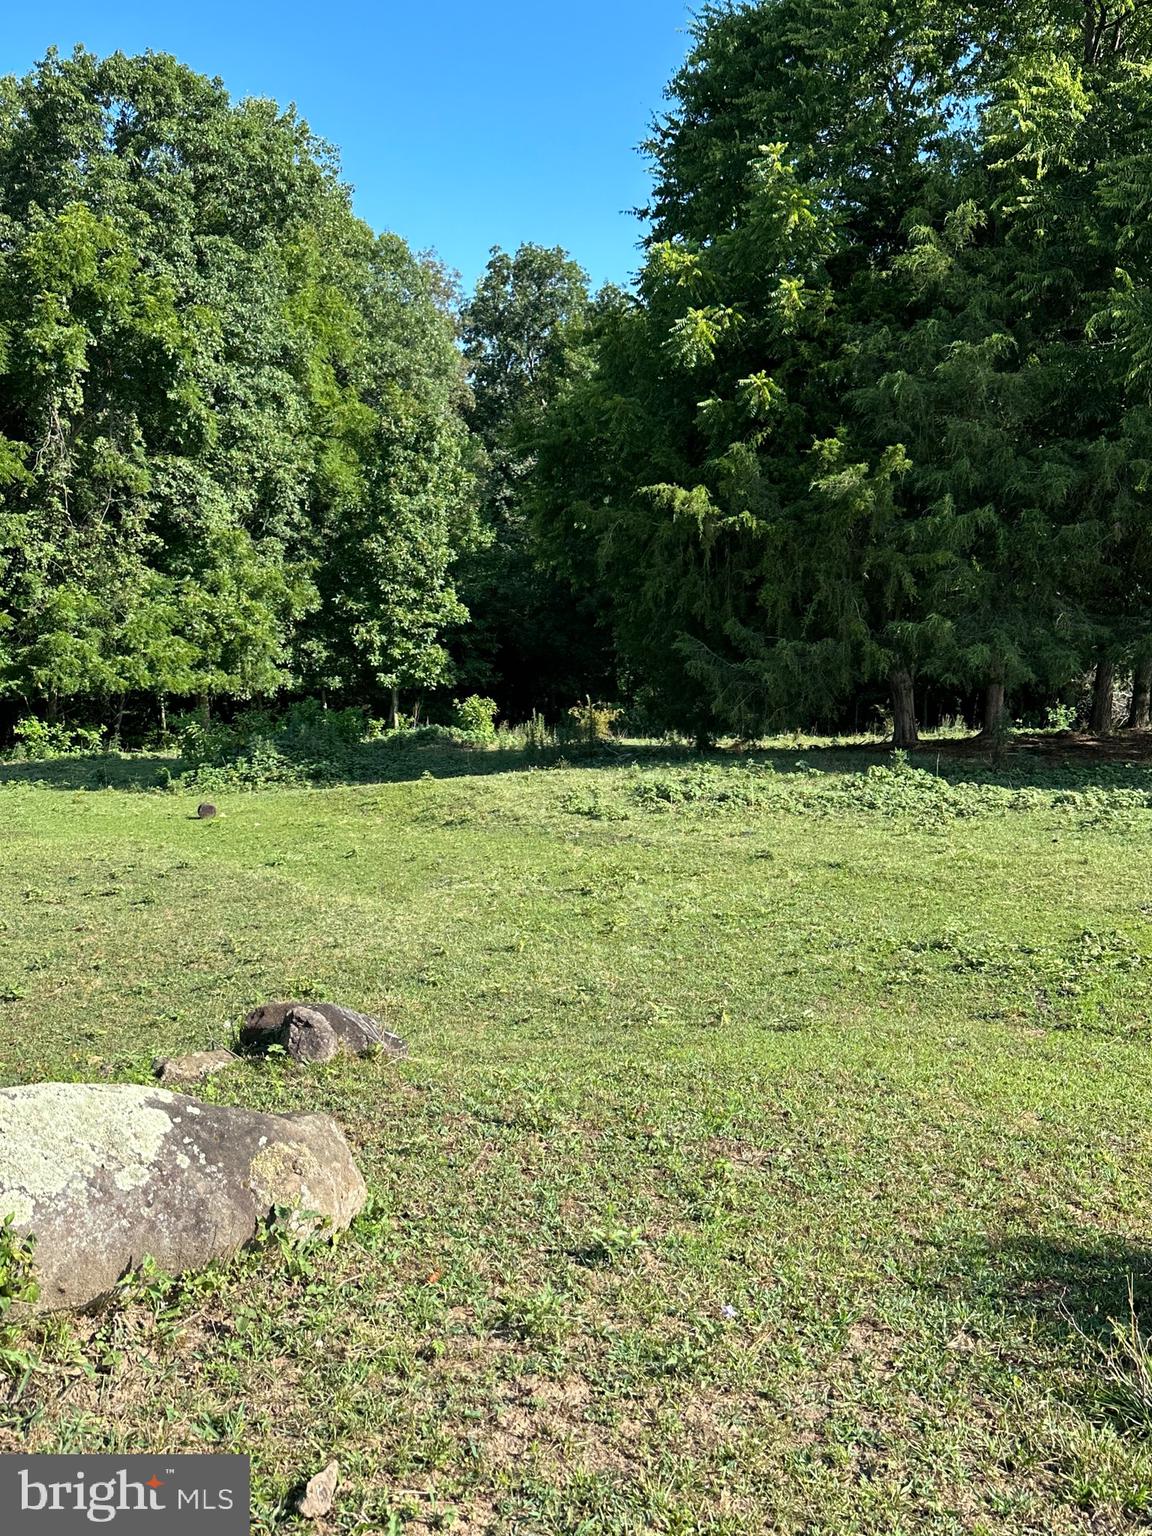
point(775, 1147)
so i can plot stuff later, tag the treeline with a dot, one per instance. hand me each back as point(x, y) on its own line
point(874, 423)
point(233, 455)
point(878, 414)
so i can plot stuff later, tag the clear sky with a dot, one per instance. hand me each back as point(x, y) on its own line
point(462, 124)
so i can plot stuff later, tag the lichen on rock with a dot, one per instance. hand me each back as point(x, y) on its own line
point(49, 1140)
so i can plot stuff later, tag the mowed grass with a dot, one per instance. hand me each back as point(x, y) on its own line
point(774, 1149)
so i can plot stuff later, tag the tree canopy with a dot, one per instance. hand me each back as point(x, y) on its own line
point(876, 411)
point(874, 419)
point(230, 423)
point(535, 637)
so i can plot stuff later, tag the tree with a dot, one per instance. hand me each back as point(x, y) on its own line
point(748, 524)
point(533, 636)
point(872, 417)
point(395, 491)
point(215, 381)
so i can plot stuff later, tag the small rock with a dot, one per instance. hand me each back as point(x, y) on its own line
point(309, 1036)
point(319, 1492)
point(206, 810)
point(196, 1067)
point(317, 1032)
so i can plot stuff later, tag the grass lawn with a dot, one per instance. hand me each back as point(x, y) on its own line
point(774, 1149)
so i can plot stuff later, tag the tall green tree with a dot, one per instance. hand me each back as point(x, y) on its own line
point(862, 425)
point(534, 638)
point(213, 382)
point(752, 540)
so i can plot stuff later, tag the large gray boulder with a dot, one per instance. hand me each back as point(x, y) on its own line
point(317, 1032)
point(104, 1174)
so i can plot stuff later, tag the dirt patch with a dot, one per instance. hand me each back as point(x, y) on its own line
point(1064, 746)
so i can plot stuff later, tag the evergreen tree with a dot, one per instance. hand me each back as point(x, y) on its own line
point(875, 415)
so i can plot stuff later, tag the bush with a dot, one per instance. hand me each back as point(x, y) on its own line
point(38, 739)
point(320, 740)
point(477, 716)
point(535, 735)
point(1060, 717)
point(306, 743)
point(594, 722)
point(421, 736)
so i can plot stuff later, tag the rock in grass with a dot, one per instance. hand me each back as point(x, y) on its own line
point(317, 1032)
point(196, 1067)
point(307, 1036)
point(104, 1175)
point(319, 1492)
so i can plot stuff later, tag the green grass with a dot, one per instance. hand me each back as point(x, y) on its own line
point(774, 1153)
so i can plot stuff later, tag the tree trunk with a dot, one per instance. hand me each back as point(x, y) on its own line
point(119, 725)
point(1103, 689)
point(205, 708)
point(995, 708)
point(394, 719)
point(163, 718)
point(904, 732)
point(1140, 715)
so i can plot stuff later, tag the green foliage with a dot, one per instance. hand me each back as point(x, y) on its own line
point(477, 715)
point(536, 732)
point(535, 636)
point(1060, 717)
point(523, 330)
point(419, 736)
point(594, 723)
point(875, 416)
point(304, 744)
point(701, 786)
point(38, 739)
point(230, 430)
point(18, 1288)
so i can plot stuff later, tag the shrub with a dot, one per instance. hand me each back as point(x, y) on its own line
point(1060, 717)
point(421, 736)
point(477, 715)
point(537, 733)
point(307, 742)
point(593, 722)
point(38, 739)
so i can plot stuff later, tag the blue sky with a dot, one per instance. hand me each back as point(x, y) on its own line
point(462, 124)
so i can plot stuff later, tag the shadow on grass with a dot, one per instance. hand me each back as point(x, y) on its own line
point(374, 763)
point(96, 770)
point(1076, 1312)
point(1066, 1283)
point(1034, 762)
